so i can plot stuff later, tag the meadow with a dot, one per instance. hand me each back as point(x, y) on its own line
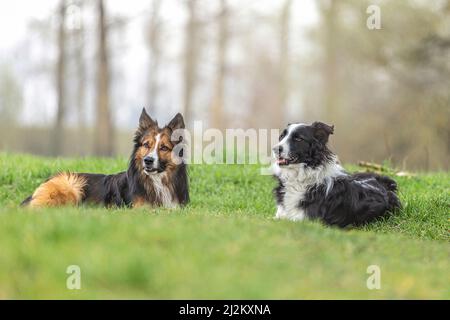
point(224, 245)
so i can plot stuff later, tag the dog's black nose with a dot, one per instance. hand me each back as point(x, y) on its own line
point(149, 161)
point(278, 149)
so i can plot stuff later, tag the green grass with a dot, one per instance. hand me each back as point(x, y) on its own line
point(225, 244)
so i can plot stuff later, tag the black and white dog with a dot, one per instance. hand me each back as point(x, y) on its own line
point(313, 185)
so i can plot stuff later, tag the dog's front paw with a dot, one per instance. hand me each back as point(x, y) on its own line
point(280, 213)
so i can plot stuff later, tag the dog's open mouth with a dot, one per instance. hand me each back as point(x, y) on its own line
point(152, 170)
point(285, 162)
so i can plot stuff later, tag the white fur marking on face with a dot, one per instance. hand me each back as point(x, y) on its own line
point(284, 142)
point(154, 152)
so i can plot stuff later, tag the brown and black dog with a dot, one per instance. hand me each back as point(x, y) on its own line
point(156, 176)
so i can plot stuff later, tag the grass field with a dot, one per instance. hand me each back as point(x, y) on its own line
point(224, 245)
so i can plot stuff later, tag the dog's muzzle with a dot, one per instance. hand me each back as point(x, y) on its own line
point(151, 165)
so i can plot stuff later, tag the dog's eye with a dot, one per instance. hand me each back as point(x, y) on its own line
point(146, 145)
point(298, 138)
point(283, 134)
point(164, 148)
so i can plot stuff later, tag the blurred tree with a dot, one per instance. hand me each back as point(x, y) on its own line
point(76, 61)
point(104, 130)
point(154, 46)
point(58, 129)
point(78, 39)
point(330, 15)
point(11, 99)
point(392, 83)
point(284, 63)
point(191, 56)
point(218, 117)
point(263, 97)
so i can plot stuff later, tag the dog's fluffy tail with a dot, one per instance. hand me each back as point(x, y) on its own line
point(62, 190)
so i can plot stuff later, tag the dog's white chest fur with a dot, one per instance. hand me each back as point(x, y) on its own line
point(294, 192)
point(297, 179)
point(162, 191)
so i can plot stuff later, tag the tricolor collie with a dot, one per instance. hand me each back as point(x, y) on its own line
point(156, 175)
point(313, 185)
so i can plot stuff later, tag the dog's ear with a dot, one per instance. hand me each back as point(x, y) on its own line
point(145, 122)
point(177, 126)
point(177, 122)
point(322, 131)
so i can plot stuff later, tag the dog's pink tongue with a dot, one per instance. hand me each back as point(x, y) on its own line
point(281, 161)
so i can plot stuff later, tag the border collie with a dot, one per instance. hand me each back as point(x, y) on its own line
point(156, 175)
point(313, 185)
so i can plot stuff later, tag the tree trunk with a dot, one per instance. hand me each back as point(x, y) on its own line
point(154, 45)
point(190, 59)
point(58, 130)
point(218, 104)
point(104, 137)
point(331, 73)
point(81, 81)
point(283, 81)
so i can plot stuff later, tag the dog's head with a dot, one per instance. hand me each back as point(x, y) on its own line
point(301, 143)
point(156, 149)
